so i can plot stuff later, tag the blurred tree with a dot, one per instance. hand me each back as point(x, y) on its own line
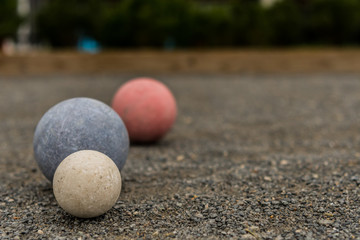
point(333, 21)
point(250, 25)
point(9, 20)
point(61, 23)
point(144, 23)
point(209, 26)
point(287, 23)
point(155, 23)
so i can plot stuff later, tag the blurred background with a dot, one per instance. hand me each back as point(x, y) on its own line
point(213, 36)
point(95, 24)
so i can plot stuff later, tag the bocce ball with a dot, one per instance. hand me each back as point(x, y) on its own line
point(87, 184)
point(147, 108)
point(79, 124)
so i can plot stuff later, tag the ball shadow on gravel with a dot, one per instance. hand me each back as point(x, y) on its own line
point(158, 143)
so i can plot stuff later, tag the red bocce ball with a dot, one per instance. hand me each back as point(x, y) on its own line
point(147, 108)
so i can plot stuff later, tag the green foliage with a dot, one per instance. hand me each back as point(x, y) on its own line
point(142, 23)
point(207, 26)
point(333, 21)
point(250, 26)
point(9, 21)
point(62, 22)
point(188, 23)
point(286, 19)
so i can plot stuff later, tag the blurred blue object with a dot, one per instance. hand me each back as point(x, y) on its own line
point(88, 45)
point(169, 44)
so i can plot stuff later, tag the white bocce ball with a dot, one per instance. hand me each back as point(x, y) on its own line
point(87, 184)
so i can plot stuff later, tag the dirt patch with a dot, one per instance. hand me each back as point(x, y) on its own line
point(189, 62)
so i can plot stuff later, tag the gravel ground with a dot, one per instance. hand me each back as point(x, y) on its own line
point(250, 157)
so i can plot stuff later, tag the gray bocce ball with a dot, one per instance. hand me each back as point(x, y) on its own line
point(79, 124)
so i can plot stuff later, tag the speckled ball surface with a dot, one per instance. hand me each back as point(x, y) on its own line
point(147, 107)
point(87, 184)
point(79, 124)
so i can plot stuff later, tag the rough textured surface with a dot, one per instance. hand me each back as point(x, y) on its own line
point(87, 184)
point(147, 107)
point(249, 157)
point(225, 61)
point(79, 124)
